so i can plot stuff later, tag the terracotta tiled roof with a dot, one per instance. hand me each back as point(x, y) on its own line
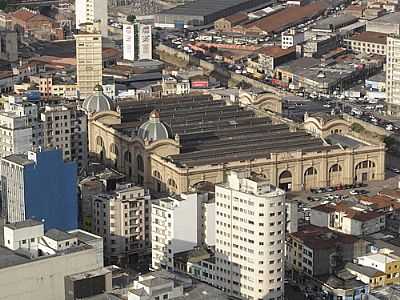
point(370, 37)
point(288, 16)
point(276, 51)
point(23, 14)
point(316, 237)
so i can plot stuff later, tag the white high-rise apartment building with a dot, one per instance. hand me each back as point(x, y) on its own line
point(393, 75)
point(89, 59)
point(250, 234)
point(137, 41)
point(176, 226)
point(15, 134)
point(90, 11)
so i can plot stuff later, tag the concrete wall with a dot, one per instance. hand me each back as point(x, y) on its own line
point(44, 278)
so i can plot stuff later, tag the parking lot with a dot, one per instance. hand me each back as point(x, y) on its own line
point(308, 199)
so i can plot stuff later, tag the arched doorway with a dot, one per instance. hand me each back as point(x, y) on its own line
point(310, 178)
point(365, 171)
point(157, 181)
point(100, 147)
point(335, 175)
point(285, 181)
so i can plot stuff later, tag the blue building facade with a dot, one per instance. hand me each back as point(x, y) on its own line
point(50, 190)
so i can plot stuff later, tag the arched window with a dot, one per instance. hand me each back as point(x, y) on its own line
point(157, 174)
point(127, 156)
point(365, 164)
point(140, 163)
point(114, 149)
point(335, 168)
point(172, 183)
point(99, 141)
point(311, 171)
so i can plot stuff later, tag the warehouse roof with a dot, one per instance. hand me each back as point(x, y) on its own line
point(202, 7)
point(288, 17)
point(336, 22)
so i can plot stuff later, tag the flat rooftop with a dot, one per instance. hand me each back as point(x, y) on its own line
point(335, 22)
point(211, 132)
point(23, 224)
point(370, 37)
point(392, 18)
point(19, 159)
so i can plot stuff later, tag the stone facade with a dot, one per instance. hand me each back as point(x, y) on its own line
point(147, 163)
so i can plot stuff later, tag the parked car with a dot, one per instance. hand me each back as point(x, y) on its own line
point(353, 192)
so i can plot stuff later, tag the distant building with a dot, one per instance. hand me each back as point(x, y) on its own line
point(291, 38)
point(388, 24)
point(317, 251)
point(345, 285)
point(15, 134)
point(348, 219)
point(65, 127)
point(137, 41)
point(226, 24)
point(367, 43)
point(387, 263)
point(90, 11)
point(40, 186)
point(89, 59)
point(392, 77)
point(30, 254)
point(250, 234)
point(8, 46)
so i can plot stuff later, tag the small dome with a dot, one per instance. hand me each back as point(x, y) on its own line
point(153, 129)
point(97, 102)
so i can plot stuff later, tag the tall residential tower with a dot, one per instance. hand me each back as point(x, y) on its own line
point(89, 58)
point(250, 234)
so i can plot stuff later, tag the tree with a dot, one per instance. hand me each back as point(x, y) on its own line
point(357, 127)
point(390, 142)
point(131, 18)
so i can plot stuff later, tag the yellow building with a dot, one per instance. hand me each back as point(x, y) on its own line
point(194, 140)
point(89, 59)
point(387, 263)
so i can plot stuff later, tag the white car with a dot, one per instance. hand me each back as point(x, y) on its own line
point(353, 192)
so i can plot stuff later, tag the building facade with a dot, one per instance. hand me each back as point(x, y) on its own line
point(89, 59)
point(287, 168)
point(19, 273)
point(90, 11)
point(137, 41)
point(122, 218)
point(392, 76)
point(40, 186)
point(65, 127)
point(250, 230)
point(175, 227)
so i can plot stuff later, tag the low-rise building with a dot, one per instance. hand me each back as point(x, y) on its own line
point(323, 125)
point(388, 24)
point(29, 254)
point(226, 24)
point(271, 57)
point(348, 218)
point(319, 251)
point(387, 263)
point(367, 42)
point(344, 285)
point(373, 277)
point(292, 37)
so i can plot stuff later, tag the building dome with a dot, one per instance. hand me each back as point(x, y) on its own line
point(97, 102)
point(153, 129)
